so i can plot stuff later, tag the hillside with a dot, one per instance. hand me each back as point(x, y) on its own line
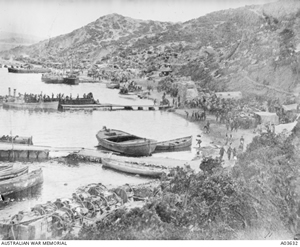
point(254, 49)
point(10, 40)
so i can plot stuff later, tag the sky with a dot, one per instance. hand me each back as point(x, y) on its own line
point(50, 18)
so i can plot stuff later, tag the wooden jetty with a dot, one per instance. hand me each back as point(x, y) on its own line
point(21, 152)
point(112, 107)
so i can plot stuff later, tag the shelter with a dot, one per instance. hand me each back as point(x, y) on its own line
point(165, 71)
point(229, 95)
point(267, 117)
point(290, 108)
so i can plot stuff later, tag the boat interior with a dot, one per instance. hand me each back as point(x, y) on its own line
point(126, 139)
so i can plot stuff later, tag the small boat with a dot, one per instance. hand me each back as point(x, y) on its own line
point(178, 144)
point(19, 183)
point(125, 143)
point(28, 70)
point(71, 80)
point(51, 78)
point(113, 85)
point(17, 139)
point(134, 168)
point(13, 172)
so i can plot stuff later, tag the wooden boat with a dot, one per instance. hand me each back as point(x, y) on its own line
point(28, 70)
point(174, 145)
point(134, 168)
point(23, 182)
point(125, 143)
point(71, 80)
point(79, 103)
point(17, 139)
point(13, 172)
point(21, 104)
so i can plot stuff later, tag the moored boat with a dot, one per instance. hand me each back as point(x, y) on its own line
point(17, 139)
point(52, 78)
point(28, 70)
point(125, 143)
point(87, 102)
point(71, 80)
point(135, 168)
point(177, 144)
point(20, 103)
point(22, 182)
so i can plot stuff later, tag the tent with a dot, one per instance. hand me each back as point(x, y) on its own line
point(268, 117)
point(292, 107)
point(229, 95)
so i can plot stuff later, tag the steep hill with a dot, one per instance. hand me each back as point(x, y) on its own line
point(254, 49)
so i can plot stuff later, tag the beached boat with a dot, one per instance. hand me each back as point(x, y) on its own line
point(13, 172)
point(22, 182)
point(135, 168)
point(17, 139)
point(178, 144)
point(125, 143)
point(28, 70)
point(21, 104)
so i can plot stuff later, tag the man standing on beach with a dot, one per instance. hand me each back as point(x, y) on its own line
point(222, 151)
point(187, 114)
point(229, 150)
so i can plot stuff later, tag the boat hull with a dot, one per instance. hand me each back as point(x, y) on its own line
point(22, 182)
point(132, 169)
point(28, 71)
point(53, 105)
point(178, 144)
point(136, 147)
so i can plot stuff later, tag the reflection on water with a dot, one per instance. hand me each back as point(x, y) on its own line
point(78, 129)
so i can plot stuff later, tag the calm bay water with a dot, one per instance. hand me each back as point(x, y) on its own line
point(78, 129)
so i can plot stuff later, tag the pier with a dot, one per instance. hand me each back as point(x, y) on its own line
point(112, 107)
point(22, 152)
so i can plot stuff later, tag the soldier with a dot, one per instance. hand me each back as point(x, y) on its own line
point(229, 150)
point(222, 151)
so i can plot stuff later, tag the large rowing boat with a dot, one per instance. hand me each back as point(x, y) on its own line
point(125, 143)
point(135, 168)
